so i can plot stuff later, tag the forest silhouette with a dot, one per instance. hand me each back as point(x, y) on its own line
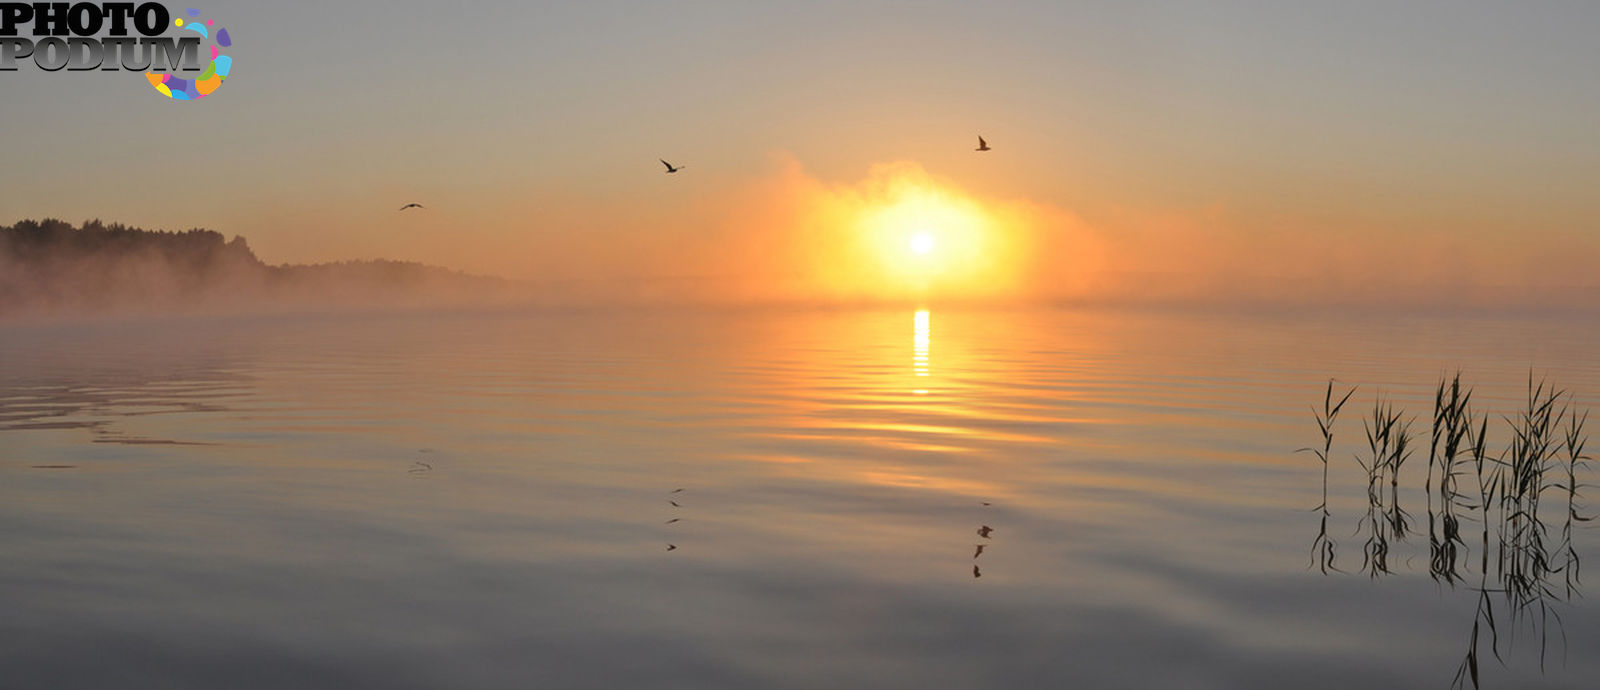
point(52, 267)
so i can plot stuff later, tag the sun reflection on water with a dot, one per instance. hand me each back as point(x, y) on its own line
point(921, 342)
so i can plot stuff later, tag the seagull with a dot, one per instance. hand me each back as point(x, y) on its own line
point(984, 531)
point(673, 520)
point(675, 504)
point(412, 206)
point(982, 145)
point(976, 573)
point(671, 169)
point(671, 547)
point(979, 552)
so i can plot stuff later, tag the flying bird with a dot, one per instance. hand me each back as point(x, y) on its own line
point(673, 520)
point(976, 573)
point(675, 504)
point(672, 547)
point(671, 169)
point(412, 206)
point(982, 145)
point(675, 491)
point(984, 531)
point(979, 552)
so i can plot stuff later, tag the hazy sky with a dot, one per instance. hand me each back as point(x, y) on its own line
point(1195, 138)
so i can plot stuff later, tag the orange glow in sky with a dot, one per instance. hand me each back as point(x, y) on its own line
point(901, 234)
point(953, 242)
point(1141, 152)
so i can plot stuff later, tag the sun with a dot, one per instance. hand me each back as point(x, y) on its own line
point(923, 237)
point(910, 235)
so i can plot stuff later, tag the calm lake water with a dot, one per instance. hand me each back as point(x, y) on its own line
point(743, 499)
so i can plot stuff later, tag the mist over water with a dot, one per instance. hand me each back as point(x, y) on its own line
point(732, 498)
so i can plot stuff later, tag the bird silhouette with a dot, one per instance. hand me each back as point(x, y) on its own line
point(976, 573)
point(984, 531)
point(412, 206)
point(670, 168)
point(672, 547)
point(979, 552)
point(982, 145)
point(673, 520)
point(675, 504)
point(675, 491)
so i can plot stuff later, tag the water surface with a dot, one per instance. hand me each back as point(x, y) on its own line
point(741, 499)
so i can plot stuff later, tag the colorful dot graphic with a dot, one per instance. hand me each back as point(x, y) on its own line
point(215, 73)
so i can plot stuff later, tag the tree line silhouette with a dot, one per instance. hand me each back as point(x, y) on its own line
point(49, 266)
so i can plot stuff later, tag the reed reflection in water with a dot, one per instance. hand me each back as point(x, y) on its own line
point(1544, 455)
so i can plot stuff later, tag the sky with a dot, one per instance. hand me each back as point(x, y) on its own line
point(1195, 150)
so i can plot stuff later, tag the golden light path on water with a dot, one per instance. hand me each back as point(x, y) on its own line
point(921, 342)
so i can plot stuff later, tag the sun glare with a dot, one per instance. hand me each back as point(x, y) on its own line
point(905, 235)
point(923, 238)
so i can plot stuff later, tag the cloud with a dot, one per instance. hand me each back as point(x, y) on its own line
point(790, 236)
